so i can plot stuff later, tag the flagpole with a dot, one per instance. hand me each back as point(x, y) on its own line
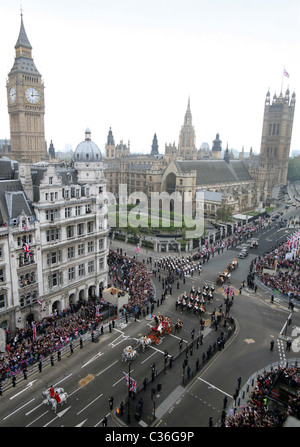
point(282, 78)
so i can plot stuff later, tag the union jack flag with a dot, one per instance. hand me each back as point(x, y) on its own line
point(26, 248)
point(132, 383)
point(286, 73)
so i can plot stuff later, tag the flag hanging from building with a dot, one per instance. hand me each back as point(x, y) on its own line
point(285, 73)
point(41, 304)
point(26, 248)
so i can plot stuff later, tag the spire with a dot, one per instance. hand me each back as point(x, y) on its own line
point(23, 39)
point(188, 115)
point(110, 138)
point(227, 155)
point(154, 147)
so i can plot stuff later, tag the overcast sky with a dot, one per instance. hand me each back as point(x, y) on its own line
point(132, 65)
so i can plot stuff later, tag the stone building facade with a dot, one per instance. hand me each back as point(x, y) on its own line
point(53, 236)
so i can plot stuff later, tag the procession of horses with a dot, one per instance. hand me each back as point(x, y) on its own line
point(195, 301)
point(55, 397)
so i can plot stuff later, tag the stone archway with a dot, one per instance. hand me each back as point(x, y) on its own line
point(56, 307)
point(92, 292)
point(82, 295)
point(72, 298)
point(30, 318)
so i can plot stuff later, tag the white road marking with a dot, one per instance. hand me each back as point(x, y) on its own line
point(90, 404)
point(9, 415)
point(107, 368)
point(214, 387)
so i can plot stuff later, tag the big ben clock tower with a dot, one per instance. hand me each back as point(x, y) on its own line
point(26, 107)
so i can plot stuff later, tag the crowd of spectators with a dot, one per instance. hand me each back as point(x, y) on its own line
point(284, 271)
point(36, 341)
point(262, 409)
point(131, 276)
point(52, 334)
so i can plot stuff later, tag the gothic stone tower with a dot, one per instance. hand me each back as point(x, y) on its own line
point(187, 139)
point(275, 143)
point(26, 108)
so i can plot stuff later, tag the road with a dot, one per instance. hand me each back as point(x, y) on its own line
point(92, 374)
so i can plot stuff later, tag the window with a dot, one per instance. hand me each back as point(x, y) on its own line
point(81, 270)
point(80, 249)
point(55, 279)
point(71, 252)
point(67, 212)
point(52, 235)
point(50, 180)
point(71, 273)
point(88, 209)
point(51, 215)
point(90, 266)
point(2, 275)
point(77, 210)
point(90, 247)
point(101, 244)
point(2, 300)
point(101, 264)
point(80, 229)
point(270, 129)
point(70, 231)
point(277, 130)
point(54, 257)
point(90, 227)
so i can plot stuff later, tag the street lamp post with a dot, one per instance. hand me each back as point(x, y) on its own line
point(128, 408)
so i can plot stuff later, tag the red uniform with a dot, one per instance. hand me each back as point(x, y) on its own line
point(57, 398)
point(51, 392)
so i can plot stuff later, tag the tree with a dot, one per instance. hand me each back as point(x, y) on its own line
point(224, 213)
point(294, 169)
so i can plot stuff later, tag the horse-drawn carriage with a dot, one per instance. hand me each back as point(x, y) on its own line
point(129, 354)
point(225, 275)
point(163, 326)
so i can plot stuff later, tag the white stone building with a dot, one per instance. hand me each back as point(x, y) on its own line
point(60, 211)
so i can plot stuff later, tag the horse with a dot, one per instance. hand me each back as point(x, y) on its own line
point(47, 393)
point(144, 342)
point(54, 403)
point(189, 306)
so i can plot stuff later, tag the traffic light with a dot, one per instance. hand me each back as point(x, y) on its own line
point(159, 387)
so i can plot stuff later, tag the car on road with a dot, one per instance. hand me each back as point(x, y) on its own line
point(243, 254)
point(246, 247)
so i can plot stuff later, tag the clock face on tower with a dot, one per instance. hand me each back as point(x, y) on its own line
point(32, 95)
point(12, 94)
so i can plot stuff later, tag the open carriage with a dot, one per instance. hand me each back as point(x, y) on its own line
point(163, 326)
